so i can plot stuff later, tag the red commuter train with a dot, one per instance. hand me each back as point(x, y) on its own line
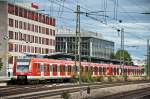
point(43, 69)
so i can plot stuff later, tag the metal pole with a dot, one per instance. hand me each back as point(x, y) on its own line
point(78, 35)
point(147, 67)
point(122, 33)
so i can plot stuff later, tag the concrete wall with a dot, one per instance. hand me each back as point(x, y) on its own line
point(3, 35)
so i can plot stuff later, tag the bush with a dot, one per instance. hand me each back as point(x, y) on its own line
point(65, 95)
point(125, 78)
point(74, 78)
point(98, 79)
point(87, 76)
point(110, 78)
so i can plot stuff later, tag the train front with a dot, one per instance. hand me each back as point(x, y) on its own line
point(21, 69)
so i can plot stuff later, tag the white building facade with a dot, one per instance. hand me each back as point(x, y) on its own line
point(24, 30)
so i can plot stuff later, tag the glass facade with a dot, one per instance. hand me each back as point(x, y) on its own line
point(90, 46)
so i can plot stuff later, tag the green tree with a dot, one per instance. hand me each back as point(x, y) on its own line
point(112, 56)
point(127, 58)
point(1, 64)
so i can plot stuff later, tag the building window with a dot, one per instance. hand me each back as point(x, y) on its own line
point(36, 16)
point(16, 23)
point(29, 14)
point(53, 32)
point(11, 22)
point(36, 50)
point(40, 40)
point(21, 12)
point(47, 41)
point(11, 35)
point(53, 42)
point(47, 20)
point(46, 51)
point(33, 15)
point(39, 29)
point(28, 49)
point(16, 48)
point(36, 39)
point(20, 24)
point(39, 50)
point(16, 11)
point(32, 49)
point(36, 28)
point(40, 18)
point(11, 8)
point(50, 31)
point(25, 26)
point(28, 38)
point(10, 60)
point(16, 36)
point(20, 36)
point(33, 27)
point(25, 13)
point(24, 48)
point(10, 47)
point(20, 48)
point(44, 19)
point(29, 26)
point(47, 31)
point(53, 22)
point(43, 30)
point(50, 21)
point(32, 39)
point(50, 41)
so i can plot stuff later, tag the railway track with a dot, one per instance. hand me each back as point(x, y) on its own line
point(42, 90)
point(134, 94)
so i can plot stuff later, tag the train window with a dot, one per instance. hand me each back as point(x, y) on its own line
point(38, 68)
point(125, 70)
point(104, 70)
point(69, 68)
point(22, 68)
point(62, 68)
point(46, 67)
point(100, 69)
point(54, 68)
point(117, 71)
point(114, 71)
point(42, 67)
point(95, 69)
point(50, 68)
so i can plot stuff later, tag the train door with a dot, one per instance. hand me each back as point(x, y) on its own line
point(62, 70)
point(54, 69)
point(46, 70)
point(69, 70)
point(42, 69)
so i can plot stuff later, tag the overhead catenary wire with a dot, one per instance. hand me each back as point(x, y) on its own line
point(90, 16)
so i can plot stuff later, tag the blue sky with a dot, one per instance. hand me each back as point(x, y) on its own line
point(136, 25)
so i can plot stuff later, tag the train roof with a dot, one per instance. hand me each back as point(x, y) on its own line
point(60, 55)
